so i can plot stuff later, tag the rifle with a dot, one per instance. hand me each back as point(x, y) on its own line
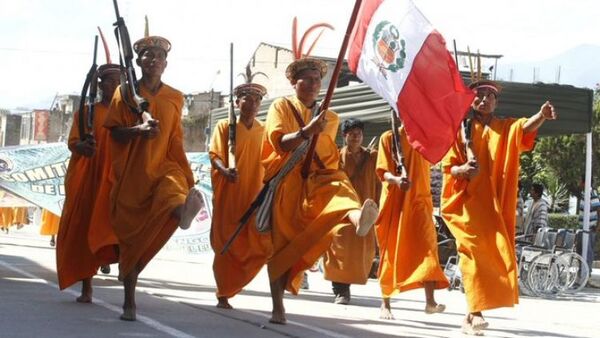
point(467, 135)
point(129, 84)
point(232, 118)
point(90, 79)
point(465, 126)
point(372, 144)
point(397, 154)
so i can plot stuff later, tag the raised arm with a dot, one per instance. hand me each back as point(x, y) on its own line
point(547, 112)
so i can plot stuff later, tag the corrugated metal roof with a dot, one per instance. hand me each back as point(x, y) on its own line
point(574, 106)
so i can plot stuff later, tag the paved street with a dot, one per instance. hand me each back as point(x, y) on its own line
point(176, 298)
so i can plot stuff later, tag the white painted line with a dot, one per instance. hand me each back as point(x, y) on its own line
point(322, 332)
point(173, 332)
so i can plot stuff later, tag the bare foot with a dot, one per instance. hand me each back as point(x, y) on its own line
point(386, 310)
point(477, 321)
point(434, 308)
point(223, 303)
point(84, 298)
point(86, 291)
point(468, 329)
point(193, 203)
point(128, 314)
point(368, 216)
point(278, 317)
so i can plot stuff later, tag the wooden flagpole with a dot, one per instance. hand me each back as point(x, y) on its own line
point(334, 77)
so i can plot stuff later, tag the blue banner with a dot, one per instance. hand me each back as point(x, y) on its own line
point(36, 174)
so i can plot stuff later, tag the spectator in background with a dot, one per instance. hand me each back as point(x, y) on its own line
point(537, 214)
point(520, 210)
point(594, 216)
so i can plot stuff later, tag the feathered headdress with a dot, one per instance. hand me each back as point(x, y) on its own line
point(302, 61)
point(151, 41)
point(477, 80)
point(109, 67)
point(248, 87)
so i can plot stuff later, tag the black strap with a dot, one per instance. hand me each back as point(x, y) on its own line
point(301, 124)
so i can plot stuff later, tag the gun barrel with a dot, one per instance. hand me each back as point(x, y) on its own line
point(117, 10)
point(95, 49)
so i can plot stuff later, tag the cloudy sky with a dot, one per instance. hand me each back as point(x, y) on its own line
point(46, 45)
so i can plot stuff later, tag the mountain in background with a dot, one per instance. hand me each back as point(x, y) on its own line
point(579, 67)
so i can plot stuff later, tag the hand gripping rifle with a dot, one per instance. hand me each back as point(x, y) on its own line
point(129, 84)
point(232, 119)
point(90, 85)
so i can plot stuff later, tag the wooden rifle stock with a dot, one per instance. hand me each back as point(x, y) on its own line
point(89, 80)
point(397, 147)
point(467, 136)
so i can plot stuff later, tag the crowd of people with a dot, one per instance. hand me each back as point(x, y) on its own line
point(129, 187)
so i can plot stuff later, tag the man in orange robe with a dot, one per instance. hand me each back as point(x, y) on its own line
point(84, 221)
point(49, 225)
point(305, 211)
point(479, 200)
point(153, 191)
point(6, 218)
point(234, 189)
point(20, 216)
point(405, 230)
point(349, 258)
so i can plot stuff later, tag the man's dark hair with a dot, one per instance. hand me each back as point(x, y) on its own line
point(538, 188)
point(352, 123)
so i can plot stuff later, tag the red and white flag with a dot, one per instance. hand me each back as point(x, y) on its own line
point(396, 51)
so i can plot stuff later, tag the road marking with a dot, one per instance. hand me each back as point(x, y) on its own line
point(322, 332)
point(173, 332)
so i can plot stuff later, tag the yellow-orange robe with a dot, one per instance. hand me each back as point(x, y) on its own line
point(20, 216)
point(75, 259)
point(480, 212)
point(101, 236)
point(251, 249)
point(152, 178)
point(405, 231)
point(305, 212)
point(50, 223)
point(6, 217)
point(350, 257)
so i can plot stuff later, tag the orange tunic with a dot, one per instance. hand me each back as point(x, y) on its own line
point(75, 258)
point(350, 257)
point(251, 249)
point(304, 211)
point(152, 178)
point(50, 223)
point(6, 217)
point(405, 230)
point(20, 216)
point(101, 237)
point(480, 213)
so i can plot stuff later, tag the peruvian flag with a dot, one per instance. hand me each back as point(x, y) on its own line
point(396, 51)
